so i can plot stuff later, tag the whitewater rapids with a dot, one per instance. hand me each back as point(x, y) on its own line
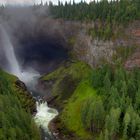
point(44, 115)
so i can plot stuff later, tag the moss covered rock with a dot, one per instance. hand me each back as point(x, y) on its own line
point(62, 82)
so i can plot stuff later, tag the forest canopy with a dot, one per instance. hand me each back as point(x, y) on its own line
point(119, 11)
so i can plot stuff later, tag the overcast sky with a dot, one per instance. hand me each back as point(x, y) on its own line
point(31, 1)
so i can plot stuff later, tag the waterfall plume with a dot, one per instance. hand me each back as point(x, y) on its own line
point(13, 66)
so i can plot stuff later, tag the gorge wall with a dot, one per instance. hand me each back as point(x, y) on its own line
point(44, 43)
point(60, 40)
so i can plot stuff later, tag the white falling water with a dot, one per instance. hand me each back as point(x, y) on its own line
point(9, 52)
point(44, 113)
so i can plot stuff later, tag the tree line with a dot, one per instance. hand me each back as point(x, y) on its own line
point(108, 15)
point(120, 11)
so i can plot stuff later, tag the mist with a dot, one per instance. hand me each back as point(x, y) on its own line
point(31, 30)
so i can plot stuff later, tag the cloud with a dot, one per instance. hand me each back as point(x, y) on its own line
point(26, 2)
point(11, 2)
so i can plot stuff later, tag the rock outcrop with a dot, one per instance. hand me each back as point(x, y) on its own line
point(25, 97)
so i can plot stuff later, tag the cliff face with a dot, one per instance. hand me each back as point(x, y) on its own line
point(134, 59)
point(97, 51)
point(57, 37)
point(94, 51)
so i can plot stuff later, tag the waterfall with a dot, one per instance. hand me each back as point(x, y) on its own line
point(44, 114)
point(14, 67)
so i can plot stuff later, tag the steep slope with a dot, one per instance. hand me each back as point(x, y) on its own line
point(15, 106)
point(68, 76)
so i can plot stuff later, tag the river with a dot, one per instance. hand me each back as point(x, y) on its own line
point(44, 113)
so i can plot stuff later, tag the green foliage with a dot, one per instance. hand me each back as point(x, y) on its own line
point(77, 108)
point(15, 122)
point(93, 114)
point(107, 15)
point(122, 11)
point(123, 52)
point(104, 32)
point(112, 122)
point(105, 103)
point(119, 91)
point(106, 107)
point(66, 78)
point(72, 41)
